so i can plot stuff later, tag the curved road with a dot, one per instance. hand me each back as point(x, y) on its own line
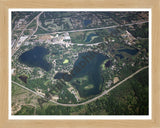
point(15, 44)
point(95, 98)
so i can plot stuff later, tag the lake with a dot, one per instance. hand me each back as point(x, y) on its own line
point(120, 56)
point(89, 37)
point(87, 22)
point(108, 64)
point(87, 75)
point(23, 78)
point(129, 51)
point(36, 58)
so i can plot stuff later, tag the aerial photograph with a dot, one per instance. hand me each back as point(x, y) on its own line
point(79, 63)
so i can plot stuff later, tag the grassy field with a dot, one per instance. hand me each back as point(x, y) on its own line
point(22, 99)
point(65, 61)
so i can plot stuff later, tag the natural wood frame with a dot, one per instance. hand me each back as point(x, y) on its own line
point(4, 9)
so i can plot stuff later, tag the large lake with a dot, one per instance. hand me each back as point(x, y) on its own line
point(36, 58)
point(88, 80)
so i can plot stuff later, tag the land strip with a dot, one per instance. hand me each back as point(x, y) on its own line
point(91, 100)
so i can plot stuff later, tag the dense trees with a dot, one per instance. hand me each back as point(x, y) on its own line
point(130, 98)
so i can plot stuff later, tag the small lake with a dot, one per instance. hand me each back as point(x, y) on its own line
point(129, 51)
point(87, 22)
point(36, 58)
point(108, 64)
point(89, 37)
point(23, 78)
point(120, 56)
point(59, 75)
point(86, 72)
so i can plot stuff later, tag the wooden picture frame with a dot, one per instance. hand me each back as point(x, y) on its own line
point(4, 71)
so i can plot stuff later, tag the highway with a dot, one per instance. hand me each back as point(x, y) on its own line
point(14, 48)
point(91, 100)
point(91, 29)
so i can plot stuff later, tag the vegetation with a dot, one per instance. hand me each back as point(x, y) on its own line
point(65, 61)
point(26, 110)
point(93, 58)
point(41, 31)
point(32, 25)
point(130, 98)
point(139, 30)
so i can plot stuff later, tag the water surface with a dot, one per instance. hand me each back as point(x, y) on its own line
point(87, 22)
point(86, 73)
point(89, 37)
point(36, 58)
point(23, 78)
point(129, 51)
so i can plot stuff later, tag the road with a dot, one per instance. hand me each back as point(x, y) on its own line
point(81, 30)
point(91, 100)
point(14, 49)
point(79, 44)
